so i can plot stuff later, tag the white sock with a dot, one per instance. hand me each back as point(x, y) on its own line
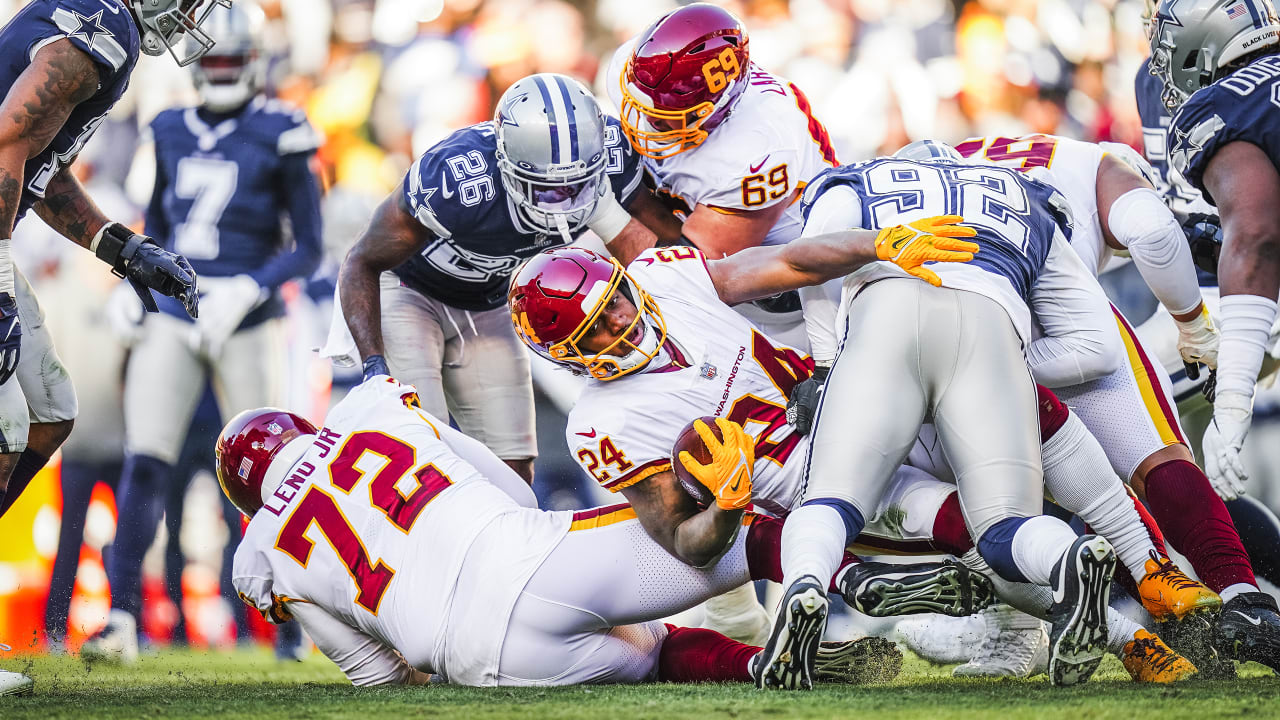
point(1120, 630)
point(1231, 591)
point(1038, 545)
point(1246, 329)
point(813, 540)
point(1079, 477)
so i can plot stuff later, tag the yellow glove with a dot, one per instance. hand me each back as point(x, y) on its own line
point(728, 475)
point(928, 240)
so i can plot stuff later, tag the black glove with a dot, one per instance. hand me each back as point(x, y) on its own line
point(1204, 235)
point(803, 403)
point(375, 365)
point(10, 337)
point(1210, 387)
point(147, 266)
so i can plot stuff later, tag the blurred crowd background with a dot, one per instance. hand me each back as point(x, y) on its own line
point(383, 80)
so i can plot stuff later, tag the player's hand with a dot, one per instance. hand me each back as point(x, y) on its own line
point(147, 266)
point(226, 303)
point(802, 406)
point(728, 475)
point(1232, 413)
point(1198, 343)
point(10, 337)
point(1204, 235)
point(934, 239)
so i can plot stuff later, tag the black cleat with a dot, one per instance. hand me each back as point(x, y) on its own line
point(1193, 638)
point(886, 589)
point(787, 660)
point(1249, 629)
point(1078, 617)
point(857, 662)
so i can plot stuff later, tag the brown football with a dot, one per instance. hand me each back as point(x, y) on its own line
point(688, 439)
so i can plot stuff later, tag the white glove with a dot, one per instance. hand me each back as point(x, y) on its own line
point(1198, 340)
point(123, 312)
point(224, 302)
point(1232, 414)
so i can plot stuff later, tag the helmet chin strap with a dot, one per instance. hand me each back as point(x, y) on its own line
point(562, 226)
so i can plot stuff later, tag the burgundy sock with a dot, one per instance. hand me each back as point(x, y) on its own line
point(764, 552)
point(699, 655)
point(29, 463)
point(1053, 413)
point(1197, 524)
point(950, 534)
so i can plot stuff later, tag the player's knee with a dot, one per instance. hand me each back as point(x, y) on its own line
point(1053, 412)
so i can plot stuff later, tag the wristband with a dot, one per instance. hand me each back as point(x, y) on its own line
point(609, 219)
point(6, 269)
point(375, 365)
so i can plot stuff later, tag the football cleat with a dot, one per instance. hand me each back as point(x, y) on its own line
point(1192, 637)
point(738, 615)
point(115, 643)
point(885, 589)
point(12, 683)
point(1249, 629)
point(787, 660)
point(940, 639)
point(1149, 660)
point(857, 662)
point(1078, 616)
point(1168, 594)
point(1015, 645)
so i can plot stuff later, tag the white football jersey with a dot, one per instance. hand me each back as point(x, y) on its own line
point(769, 146)
point(715, 363)
point(1070, 166)
point(372, 524)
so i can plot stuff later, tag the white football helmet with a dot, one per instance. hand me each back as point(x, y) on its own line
point(166, 23)
point(233, 71)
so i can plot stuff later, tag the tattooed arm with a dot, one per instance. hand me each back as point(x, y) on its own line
point(68, 209)
point(60, 77)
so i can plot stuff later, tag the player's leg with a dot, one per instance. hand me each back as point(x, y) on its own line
point(250, 372)
point(50, 397)
point(78, 478)
point(413, 342)
point(163, 383)
point(985, 414)
point(488, 384)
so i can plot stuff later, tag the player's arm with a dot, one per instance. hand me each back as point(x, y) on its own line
point(664, 224)
point(763, 271)
point(628, 233)
point(301, 202)
point(392, 237)
point(1134, 217)
point(1081, 340)
point(672, 518)
point(60, 77)
point(69, 210)
point(719, 232)
point(364, 660)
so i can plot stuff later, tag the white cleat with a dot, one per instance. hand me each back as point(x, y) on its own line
point(738, 615)
point(1015, 645)
point(12, 683)
point(940, 639)
point(115, 643)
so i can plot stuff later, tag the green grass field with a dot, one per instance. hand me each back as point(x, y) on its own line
point(252, 685)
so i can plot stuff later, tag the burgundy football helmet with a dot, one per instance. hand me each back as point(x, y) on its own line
point(556, 297)
point(246, 447)
point(683, 77)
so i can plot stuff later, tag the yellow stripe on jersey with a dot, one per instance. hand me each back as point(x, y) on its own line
point(1147, 386)
point(590, 520)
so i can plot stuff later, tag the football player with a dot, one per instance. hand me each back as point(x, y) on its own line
point(234, 193)
point(1217, 61)
point(729, 145)
point(423, 288)
point(1114, 207)
point(65, 64)
point(338, 546)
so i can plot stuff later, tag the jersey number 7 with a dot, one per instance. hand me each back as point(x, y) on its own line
point(321, 509)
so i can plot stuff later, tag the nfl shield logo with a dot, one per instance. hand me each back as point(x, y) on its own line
point(274, 428)
point(707, 370)
point(245, 466)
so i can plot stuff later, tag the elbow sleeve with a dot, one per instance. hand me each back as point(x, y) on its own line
point(1140, 221)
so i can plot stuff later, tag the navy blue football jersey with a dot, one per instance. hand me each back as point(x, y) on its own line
point(455, 191)
point(1012, 213)
point(224, 187)
point(102, 28)
point(1241, 106)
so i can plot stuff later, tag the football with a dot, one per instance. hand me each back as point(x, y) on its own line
point(688, 439)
